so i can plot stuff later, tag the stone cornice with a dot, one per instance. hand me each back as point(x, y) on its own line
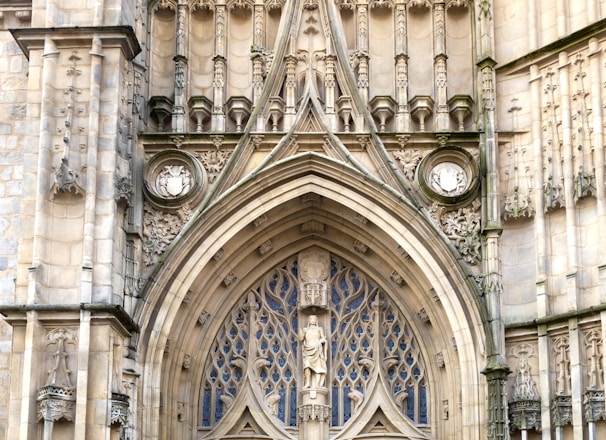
point(559, 317)
point(14, 313)
point(551, 50)
point(77, 36)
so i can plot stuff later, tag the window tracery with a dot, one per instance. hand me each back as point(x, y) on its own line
point(369, 341)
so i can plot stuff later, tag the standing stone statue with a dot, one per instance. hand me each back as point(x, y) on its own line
point(314, 353)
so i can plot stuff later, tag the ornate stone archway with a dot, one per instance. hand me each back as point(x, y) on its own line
point(223, 257)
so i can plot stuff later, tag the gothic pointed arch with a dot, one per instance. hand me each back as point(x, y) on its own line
point(299, 202)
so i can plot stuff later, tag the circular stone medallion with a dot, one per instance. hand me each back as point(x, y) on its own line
point(173, 178)
point(449, 175)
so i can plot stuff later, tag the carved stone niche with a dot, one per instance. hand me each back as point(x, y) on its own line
point(314, 270)
point(449, 175)
point(173, 178)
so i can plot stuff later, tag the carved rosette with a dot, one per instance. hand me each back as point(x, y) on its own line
point(174, 178)
point(449, 175)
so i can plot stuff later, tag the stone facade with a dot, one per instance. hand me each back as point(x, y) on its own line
point(302, 219)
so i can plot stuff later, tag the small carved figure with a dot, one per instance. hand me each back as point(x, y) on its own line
point(314, 353)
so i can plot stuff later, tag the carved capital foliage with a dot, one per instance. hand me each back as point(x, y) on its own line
point(593, 403)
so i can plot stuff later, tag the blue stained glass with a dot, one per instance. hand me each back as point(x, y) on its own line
point(263, 375)
point(354, 346)
point(390, 344)
point(206, 408)
point(346, 404)
point(333, 324)
point(293, 406)
point(365, 373)
point(341, 373)
point(285, 285)
point(390, 316)
point(422, 404)
point(288, 374)
point(409, 359)
point(344, 287)
point(347, 360)
point(353, 375)
point(335, 406)
point(275, 375)
point(334, 349)
point(220, 362)
point(359, 330)
point(365, 344)
point(336, 299)
point(244, 334)
point(391, 373)
point(403, 345)
point(238, 374)
point(213, 374)
point(218, 406)
point(355, 303)
point(239, 346)
point(226, 376)
point(276, 348)
point(282, 404)
point(410, 403)
point(264, 345)
point(292, 300)
point(295, 269)
point(403, 374)
point(396, 330)
point(416, 373)
point(273, 304)
point(281, 361)
point(270, 331)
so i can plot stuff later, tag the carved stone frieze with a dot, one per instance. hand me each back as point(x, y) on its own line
point(312, 226)
point(440, 362)
point(423, 316)
point(265, 247)
point(203, 318)
point(397, 278)
point(360, 247)
point(124, 189)
point(230, 279)
point(593, 346)
point(218, 255)
point(56, 403)
point(525, 405)
point(260, 220)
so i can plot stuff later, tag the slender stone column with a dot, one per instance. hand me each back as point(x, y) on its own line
point(218, 113)
point(402, 112)
point(179, 120)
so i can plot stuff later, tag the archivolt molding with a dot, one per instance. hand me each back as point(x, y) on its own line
point(219, 228)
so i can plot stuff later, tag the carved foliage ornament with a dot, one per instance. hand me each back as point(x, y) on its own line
point(159, 230)
point(462, 227)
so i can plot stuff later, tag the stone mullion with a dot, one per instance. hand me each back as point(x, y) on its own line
point(218, 112)
point(179, 121)
point(402, 112)
point(363, 59)
point(576, 377)
point(539, 200)
point(440, 72)
point(329, 84)
point(544, 357)
point(45, 156)
point(568, 174)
